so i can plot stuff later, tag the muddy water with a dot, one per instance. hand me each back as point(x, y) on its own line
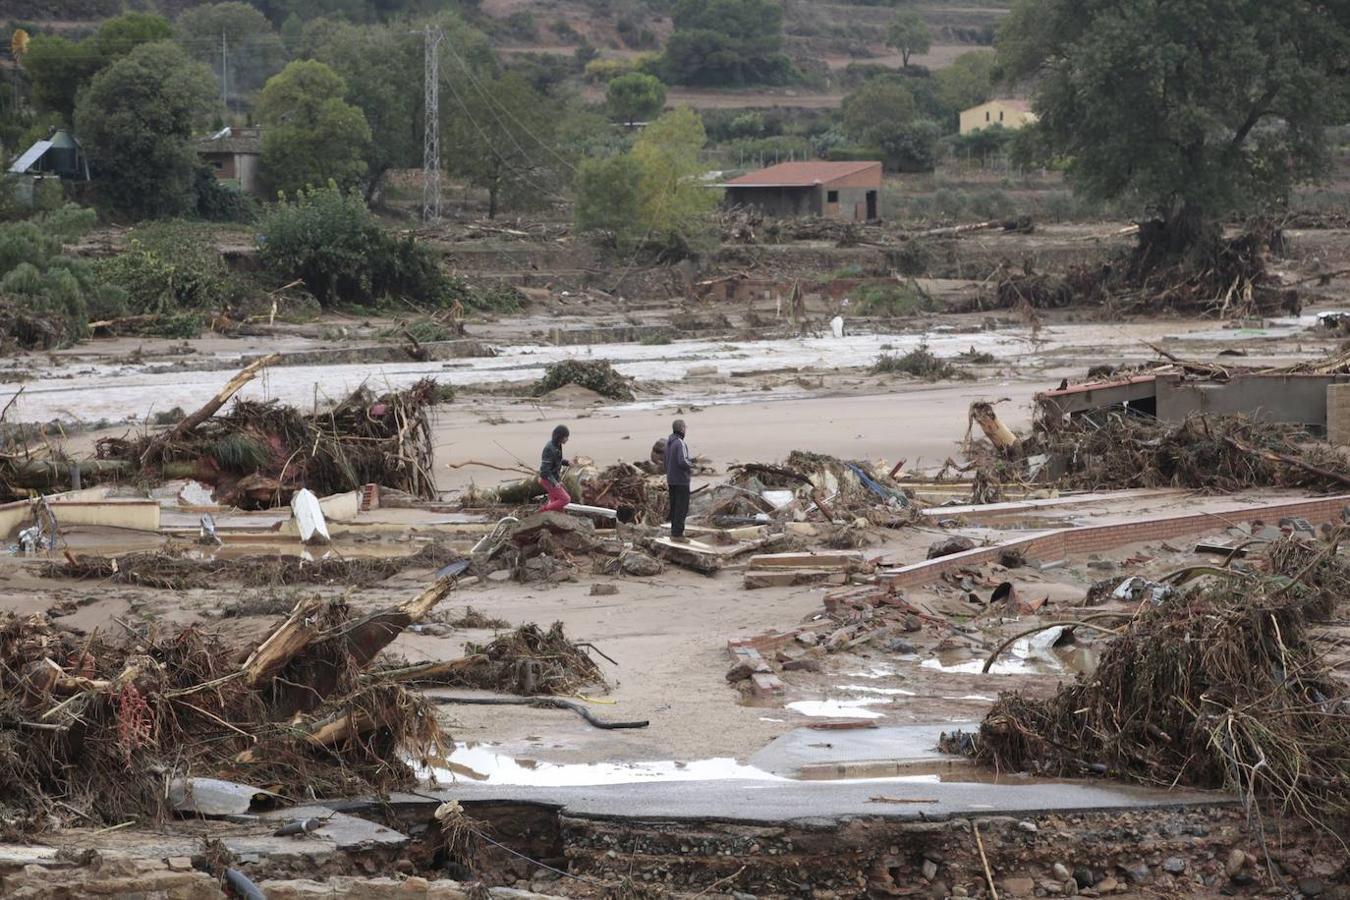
point(118, 391)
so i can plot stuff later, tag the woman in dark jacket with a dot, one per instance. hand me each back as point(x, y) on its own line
point(550, 471)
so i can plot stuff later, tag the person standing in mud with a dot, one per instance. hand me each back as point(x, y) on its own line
point(678, 470)
point(550, 471)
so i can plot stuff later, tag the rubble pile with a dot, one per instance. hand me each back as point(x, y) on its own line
point(1221, 684)
point(836, 488)
point(96, 731)
point(175, 568)
point(631, 492)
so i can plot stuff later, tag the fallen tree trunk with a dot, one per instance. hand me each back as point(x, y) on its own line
point(282, 645)
point(436, 668)
point(51, 474)
point(245, 375)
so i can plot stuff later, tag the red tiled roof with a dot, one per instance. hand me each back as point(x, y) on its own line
point(801, 174)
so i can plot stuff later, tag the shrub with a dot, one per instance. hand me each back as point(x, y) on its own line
point(169, 268)
point(892, 300)
point(330, 240)
point(596, 375)
point(921, 363)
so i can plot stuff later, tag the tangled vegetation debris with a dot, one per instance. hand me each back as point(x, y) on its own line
point(1222, 453)
point(1221, 685)
point(94, 730)
point(528, 661)
point(595, 375)
point(176, 569)
point(260, 453)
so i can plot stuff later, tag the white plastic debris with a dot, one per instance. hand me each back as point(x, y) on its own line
point(309, 518)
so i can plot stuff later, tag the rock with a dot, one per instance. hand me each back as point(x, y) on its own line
point(1310, 887)
point(929, 870)
point(1102, 565)
point(1012, 558)
point(740, 672)
point(1107, 885)
point(639, 564)
point(961, 891)
point(1019, 887)
point(1136, 872)
point(179, 863)
point(1242, 879)
point(1085, 877)
point(900, 646)
point(1052, 888)
point(803, 664)
point(912, 623)
point(808, 638)
point(604, 590)
point(1062, 872)
point(1028, 827)
point(1174, 865)
point(947, 546)
point(1237, 861)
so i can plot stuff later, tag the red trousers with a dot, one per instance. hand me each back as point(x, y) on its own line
point(558, 498)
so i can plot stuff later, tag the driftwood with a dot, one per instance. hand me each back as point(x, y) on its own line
point(156, 448)
point(281, 646)
point(431, 669)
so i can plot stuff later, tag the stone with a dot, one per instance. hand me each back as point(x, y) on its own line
point(802, 664)
point(1136, 872)
point(1028, 827)
point(1062, 871)
point(1019, 887)
point(901, 646)
point(1107, 885)
point(1242, 879)
point(1085, 877)
point(929, 870)
point(1052, 888)
point(1236, 862)
point(1174, 865)
point(604, 590)
point(960, 891)
point(179, 863)
point(939, 890)
point(912, 623)
point(1310, 887)
point(957, 543)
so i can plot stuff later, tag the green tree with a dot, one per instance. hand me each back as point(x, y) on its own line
point(635, 97)
point(909, 34)
point(58, 68)
point(674, 201)
point(609, 198)
point(251, 47)
point(136, 121)
point(727, 42)
point(877, 110)
point(310, 134)
point(1196, 110)
point(502, 138)
point(967, 82)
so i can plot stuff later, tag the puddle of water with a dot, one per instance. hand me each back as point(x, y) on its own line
point(1021, 659)
point(481, 764)
point(882, 671)
point(838, 709)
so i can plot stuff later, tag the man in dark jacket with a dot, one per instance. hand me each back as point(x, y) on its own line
point(678, 470)
point(550, 471)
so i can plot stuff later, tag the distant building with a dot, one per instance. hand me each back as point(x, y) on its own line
point(233, 154)
point(60, 155)
point(54, 160)
point(1008, 113)
point(836, 190)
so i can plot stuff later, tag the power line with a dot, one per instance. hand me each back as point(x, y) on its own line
point(523, 127)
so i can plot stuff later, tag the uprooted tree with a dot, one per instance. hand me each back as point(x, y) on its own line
point(1198, 110)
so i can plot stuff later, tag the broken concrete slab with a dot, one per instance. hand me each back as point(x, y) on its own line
point(345, 831)
point(846, 560)
point(761, 578)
